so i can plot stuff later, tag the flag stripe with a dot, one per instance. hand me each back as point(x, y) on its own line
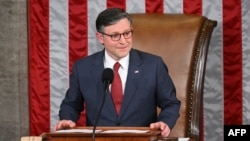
point(155, 6)
point(58, 54)
point(39, 82)
point(114, 3)
point(78, 30)
point(246, 60)
point(175, 6)
point(94, 7)
point(192, 6)
point(232, 57)
point(78, 35)
point(213, 91)
point(135, 6)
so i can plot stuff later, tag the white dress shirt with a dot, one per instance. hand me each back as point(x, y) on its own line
point(123, 70)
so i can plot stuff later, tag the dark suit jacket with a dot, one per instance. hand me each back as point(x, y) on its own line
point(148, 86)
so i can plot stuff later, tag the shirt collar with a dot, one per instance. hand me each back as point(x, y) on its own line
point(109, 62)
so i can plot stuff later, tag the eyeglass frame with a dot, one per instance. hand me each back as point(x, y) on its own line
point(122, 34)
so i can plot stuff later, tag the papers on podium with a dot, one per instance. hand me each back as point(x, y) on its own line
point(101, 131)
point(111, 131)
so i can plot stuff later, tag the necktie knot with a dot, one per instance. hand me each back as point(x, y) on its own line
point(117, 66)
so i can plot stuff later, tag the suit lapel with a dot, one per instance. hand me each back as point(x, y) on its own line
point(98, 67)
point(97, 70)
point(133, 79)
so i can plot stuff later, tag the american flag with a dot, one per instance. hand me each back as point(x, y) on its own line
point(61, 31)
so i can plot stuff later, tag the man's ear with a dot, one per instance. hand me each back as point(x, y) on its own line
point(99, 37)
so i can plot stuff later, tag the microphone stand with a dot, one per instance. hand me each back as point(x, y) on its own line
point(100, 109)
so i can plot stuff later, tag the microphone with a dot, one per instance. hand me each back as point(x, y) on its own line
point(107, 78)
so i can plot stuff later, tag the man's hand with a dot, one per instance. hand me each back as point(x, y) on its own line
point(165, 130)
point(64, 124)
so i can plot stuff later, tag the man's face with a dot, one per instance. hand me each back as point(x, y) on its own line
point(120, 48)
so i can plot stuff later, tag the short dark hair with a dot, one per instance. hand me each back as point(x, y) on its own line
point(111, 16)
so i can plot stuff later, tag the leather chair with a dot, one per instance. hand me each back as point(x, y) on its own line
point(182, 40)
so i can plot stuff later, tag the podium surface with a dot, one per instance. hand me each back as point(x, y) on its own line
point(104, 134)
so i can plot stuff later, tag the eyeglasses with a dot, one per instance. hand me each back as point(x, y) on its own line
point(117, 36)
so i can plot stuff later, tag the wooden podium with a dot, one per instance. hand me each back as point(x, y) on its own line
point(106, 134)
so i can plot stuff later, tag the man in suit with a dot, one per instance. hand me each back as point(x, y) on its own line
point(145, 82)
